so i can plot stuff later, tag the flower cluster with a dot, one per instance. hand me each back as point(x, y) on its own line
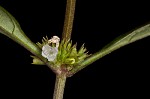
point(68, 53)
point(64, 53)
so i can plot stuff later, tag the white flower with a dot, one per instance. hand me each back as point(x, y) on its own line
point(50, 52)
point(54, 39)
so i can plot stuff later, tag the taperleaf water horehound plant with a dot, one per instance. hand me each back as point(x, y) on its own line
point(60, 54)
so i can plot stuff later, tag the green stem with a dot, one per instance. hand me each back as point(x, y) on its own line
point(59, 86)
point(69, 17)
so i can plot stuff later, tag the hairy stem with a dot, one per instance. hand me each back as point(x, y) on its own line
point(59, 86)
point(69, 17)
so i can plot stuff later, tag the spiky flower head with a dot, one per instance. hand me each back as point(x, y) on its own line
point(63, 54)
point(68, 53)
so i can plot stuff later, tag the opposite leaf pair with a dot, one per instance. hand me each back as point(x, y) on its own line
point(66, 54)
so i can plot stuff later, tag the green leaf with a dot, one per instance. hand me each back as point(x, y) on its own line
point(121, 41)
point(11, 28)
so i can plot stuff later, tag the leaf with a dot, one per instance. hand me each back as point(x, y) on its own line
point(11, 28)
point(121, 41)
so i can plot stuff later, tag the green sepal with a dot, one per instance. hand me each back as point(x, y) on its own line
point(73, 51)
point(82, 50)
point(70, 61)
point(37, 61)
point(44, 41)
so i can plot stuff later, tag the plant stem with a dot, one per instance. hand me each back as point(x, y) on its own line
point(59, 86)
point(69, 16)
point(67, 30)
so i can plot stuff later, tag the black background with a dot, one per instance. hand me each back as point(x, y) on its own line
point(123, 73)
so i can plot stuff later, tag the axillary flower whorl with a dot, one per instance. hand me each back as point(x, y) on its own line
point(64, 53)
